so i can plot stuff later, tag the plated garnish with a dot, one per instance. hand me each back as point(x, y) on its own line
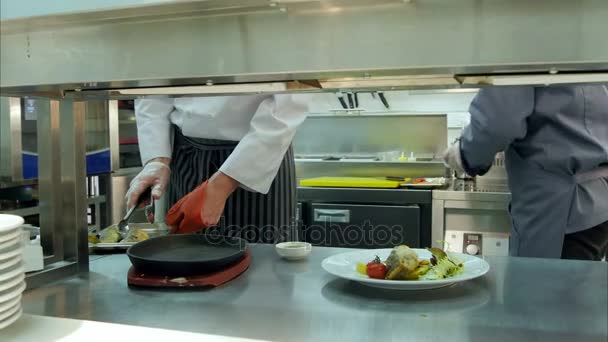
point(403, 263)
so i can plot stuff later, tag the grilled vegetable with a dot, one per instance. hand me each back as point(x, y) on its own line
point(93, 238)
point(437, 254)
point(136, 235)
point(443, 266)
point(420, 271)
point(109, 235)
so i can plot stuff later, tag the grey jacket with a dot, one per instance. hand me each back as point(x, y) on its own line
point(555, 140)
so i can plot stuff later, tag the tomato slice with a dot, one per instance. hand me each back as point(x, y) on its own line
point(376, 270)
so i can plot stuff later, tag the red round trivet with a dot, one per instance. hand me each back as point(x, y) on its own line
point(218, 278)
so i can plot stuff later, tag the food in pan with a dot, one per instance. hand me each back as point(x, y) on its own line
point(136, 235)
point(109, 235)
point(93, 238)
point(112, 235)
point(403, 264)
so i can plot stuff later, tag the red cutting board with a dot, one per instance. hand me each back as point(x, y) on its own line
point(218, 278)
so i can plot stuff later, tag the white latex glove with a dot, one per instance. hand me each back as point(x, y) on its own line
point(453, 159)
point(155, 175)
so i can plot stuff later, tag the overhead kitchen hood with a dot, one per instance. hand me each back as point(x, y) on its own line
point(210, 47)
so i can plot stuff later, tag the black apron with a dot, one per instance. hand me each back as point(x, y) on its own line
point(256, 217)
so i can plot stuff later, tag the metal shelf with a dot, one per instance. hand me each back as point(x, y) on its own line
point(30, 211)
point(12, 184)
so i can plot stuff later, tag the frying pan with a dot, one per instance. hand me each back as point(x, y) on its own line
point(184, 255)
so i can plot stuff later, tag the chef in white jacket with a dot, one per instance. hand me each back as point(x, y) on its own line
point(240, 145)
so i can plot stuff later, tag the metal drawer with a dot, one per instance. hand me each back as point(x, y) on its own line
point(361, 226)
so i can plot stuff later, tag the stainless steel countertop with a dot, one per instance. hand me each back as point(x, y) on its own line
point(455, 193)
point(518, 300)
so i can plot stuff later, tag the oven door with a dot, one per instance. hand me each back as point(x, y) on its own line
point(362, 226)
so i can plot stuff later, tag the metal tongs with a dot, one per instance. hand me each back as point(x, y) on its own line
point(123, 225)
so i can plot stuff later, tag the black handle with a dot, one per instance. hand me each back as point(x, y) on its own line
point(342, 102)
point(350, 100)
point(145, 198)
point(383, 99)
point(356, 100)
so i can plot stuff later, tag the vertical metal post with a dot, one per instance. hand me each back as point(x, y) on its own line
point(113, 129)
point(49, 180)
point(62, 187)
point(10, 139)
point(105, 212)
point(438, 224)
point(107, 180)
point(73, 182)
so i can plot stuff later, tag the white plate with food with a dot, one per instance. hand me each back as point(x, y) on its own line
point(404, 268)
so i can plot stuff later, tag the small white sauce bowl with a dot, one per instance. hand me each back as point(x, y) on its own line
point(293, 250)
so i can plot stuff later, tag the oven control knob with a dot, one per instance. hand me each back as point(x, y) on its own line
point(472, 249)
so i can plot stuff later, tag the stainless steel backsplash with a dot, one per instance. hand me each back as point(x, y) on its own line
point(372, 134)
point(340, 136)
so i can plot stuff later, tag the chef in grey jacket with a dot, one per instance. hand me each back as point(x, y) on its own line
point(240, 144)
point(555, 140)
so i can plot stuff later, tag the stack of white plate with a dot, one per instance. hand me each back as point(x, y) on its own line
point(12, 273)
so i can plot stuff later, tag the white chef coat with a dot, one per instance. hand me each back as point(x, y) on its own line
point(264, 125)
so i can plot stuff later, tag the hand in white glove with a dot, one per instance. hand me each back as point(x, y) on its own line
point(453, 159)
point(155, 175)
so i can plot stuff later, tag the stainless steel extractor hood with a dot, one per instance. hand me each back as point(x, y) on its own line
point(98, 49)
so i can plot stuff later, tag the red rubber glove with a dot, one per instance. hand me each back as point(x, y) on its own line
point(185, 215)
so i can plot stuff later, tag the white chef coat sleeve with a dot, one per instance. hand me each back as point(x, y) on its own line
point(256, 159)
point(154, 127)
point(498, 117)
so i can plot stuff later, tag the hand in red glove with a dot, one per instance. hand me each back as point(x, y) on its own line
point(202, 207)
point(185, 215)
